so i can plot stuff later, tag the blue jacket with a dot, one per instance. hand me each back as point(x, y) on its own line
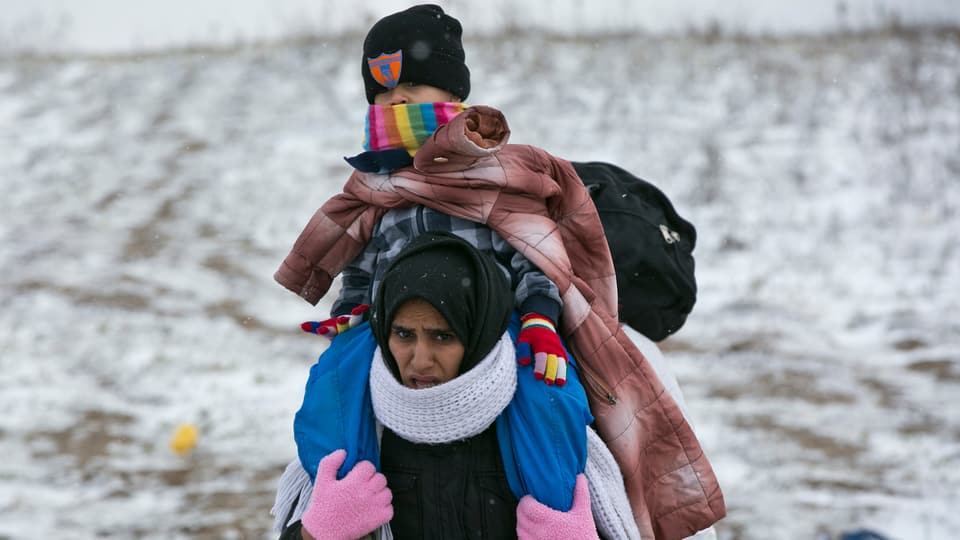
point(541, 433)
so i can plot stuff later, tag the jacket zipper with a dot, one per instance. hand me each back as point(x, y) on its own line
point(595, 385)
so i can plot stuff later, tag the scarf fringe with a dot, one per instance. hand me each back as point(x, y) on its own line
point(294, 487)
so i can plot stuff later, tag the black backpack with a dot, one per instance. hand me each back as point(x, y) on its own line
point(652, 249)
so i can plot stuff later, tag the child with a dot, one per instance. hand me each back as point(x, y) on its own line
point(416, 81)
point(532, 212)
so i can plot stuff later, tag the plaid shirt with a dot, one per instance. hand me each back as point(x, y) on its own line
point(361, 278)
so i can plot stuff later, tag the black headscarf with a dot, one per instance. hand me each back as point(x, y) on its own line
point(465, 285)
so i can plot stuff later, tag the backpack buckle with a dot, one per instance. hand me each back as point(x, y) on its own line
point(668, 235)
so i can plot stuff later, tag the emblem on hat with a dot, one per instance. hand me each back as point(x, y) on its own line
point(386, 68)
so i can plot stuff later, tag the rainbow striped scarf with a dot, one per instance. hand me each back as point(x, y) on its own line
point(406, 126)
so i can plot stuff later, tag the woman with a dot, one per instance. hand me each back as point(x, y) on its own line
point(441, 385)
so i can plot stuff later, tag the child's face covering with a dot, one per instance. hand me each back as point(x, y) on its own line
point(408, 93)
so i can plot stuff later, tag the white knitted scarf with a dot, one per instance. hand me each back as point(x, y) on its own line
point(457, 409)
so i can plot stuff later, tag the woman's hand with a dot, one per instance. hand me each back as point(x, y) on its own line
point(350, 508)
point(536, 521)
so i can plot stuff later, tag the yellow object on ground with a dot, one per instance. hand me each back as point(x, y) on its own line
point(184, 439)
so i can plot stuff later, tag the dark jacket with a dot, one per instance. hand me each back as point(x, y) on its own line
point(454, 490)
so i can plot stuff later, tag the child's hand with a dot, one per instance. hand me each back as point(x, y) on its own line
point(338, 325)
point(538, 341)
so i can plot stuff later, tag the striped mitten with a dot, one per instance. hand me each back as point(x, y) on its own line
point(539, 343)
point(338, 325)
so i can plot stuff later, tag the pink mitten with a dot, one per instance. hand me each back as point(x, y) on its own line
point(349, 508)
point(538, 340)
point(337, 325)
point(536, 521)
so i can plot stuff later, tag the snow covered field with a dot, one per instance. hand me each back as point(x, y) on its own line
point(147, 200)
point(104, 26)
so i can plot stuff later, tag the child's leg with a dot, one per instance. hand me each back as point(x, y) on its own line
point(542, 435)
point(337, 411)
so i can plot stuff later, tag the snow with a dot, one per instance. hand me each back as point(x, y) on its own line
point(147, 200)
point(110, 26)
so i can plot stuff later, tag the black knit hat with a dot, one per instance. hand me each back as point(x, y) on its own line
point(419, 45)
